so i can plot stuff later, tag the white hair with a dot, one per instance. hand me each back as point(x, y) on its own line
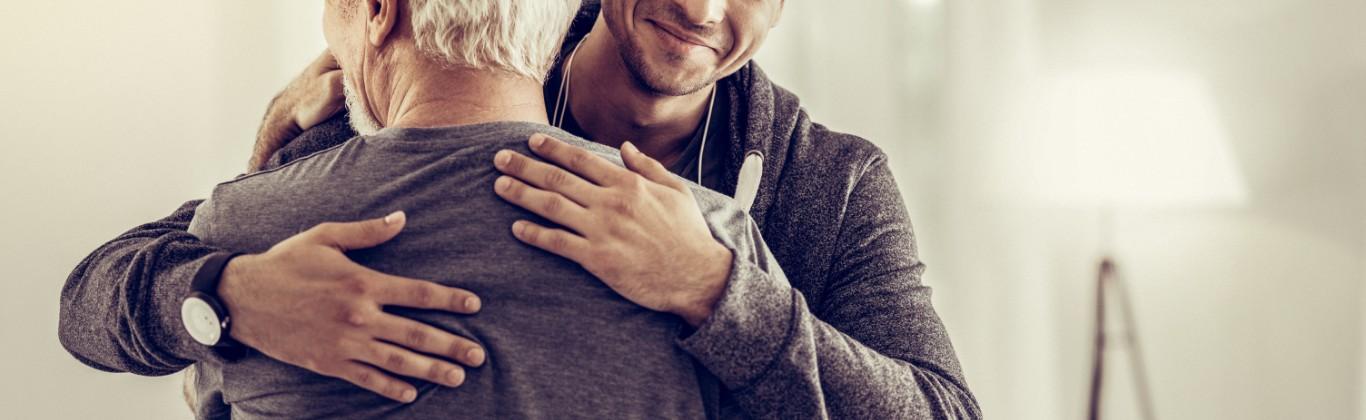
point(521, 37)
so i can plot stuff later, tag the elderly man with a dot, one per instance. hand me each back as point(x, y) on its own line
point(852, 335)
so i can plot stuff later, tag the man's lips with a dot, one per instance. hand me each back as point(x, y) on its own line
point(683, 35)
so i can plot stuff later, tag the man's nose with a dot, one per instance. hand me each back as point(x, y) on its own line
point(703, 12)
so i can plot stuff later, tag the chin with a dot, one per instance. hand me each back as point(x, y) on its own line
point(674, 83)
point(665, 74)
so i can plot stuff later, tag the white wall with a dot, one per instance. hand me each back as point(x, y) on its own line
point(1253, 311)
point(1248, 312)
point(114, 113)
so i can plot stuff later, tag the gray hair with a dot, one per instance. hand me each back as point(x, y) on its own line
point(521, 37)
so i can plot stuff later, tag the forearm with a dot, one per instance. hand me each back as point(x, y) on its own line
point(334, 131)
point(872, 348)
point(780, 361)
point(120, 307)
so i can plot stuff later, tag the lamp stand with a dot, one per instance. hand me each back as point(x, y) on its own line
point(1106, 278)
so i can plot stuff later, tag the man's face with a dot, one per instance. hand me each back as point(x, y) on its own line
point(344, 28)
point(677, 47)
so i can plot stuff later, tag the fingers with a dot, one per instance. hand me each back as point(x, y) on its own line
point(374, 380)
point(325, 62)
point(362, 234)
point(648, 167)
point(577, 160)
point(549, 205)
point(322, 100)
point(555, 241)
point(419, 294)
point(425, 338)
point(545, 176)
point(394, 359)
point(332, 84)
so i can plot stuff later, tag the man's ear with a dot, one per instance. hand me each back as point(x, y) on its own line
point(381, 17)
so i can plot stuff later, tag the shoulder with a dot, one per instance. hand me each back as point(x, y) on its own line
point(832, 159)
point(243, 192)
point(857, 152)
point(808, 145)
point(256, 210)
point(330, 133)
point(292, 168)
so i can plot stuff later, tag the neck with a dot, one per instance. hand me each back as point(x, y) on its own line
point(437, 97)
point(611, 106)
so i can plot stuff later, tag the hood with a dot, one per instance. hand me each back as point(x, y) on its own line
point(764, 120)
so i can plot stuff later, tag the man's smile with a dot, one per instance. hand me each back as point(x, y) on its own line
point(680, 40)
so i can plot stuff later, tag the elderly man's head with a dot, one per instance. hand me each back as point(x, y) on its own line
point(380, 41)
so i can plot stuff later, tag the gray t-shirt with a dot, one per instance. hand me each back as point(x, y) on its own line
point(560, 343)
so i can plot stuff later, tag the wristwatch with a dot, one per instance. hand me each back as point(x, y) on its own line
point(204, 315)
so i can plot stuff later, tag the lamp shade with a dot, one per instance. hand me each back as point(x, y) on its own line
point(1126, 139)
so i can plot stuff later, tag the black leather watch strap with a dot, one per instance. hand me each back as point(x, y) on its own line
point(210, 274)
point(205, 286)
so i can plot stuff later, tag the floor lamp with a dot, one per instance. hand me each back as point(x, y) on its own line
point(1108, 284)
point(1126, 140)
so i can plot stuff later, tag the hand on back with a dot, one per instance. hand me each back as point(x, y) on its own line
point(637, 228)
point(303, 302)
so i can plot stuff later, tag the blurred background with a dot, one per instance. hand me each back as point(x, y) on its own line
point(1215, 148)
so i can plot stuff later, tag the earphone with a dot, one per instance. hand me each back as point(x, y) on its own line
point(562, 106)
point(706, 129)
point(751, 171)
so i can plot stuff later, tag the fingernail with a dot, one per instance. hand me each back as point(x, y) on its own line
point(502, 184)
point(455, 377)
point(472, 304)
point(474, 357)
point(518, 227)
point(630, 148)
point(408, 395)
point(394, 217)
point(537, 140)
point(502, 158)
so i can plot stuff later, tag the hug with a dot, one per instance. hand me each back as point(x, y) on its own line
point(533, 209)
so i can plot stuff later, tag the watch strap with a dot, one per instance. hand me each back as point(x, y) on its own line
point(211, 273)
point(205, 286)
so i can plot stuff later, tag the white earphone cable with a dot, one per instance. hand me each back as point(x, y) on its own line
point(562, 106)
point(706, 129)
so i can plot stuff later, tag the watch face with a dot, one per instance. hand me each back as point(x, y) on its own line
point(201, 321)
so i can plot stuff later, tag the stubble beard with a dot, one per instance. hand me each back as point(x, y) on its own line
point(653, 82)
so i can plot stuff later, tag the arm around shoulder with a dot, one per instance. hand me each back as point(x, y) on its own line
point(874, 348)
point(120, 307)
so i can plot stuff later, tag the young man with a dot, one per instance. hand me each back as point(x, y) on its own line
point(852, 336)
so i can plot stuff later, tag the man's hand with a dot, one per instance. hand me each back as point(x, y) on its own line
point(638, 230)
point(310, 99)
point(305, 303)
